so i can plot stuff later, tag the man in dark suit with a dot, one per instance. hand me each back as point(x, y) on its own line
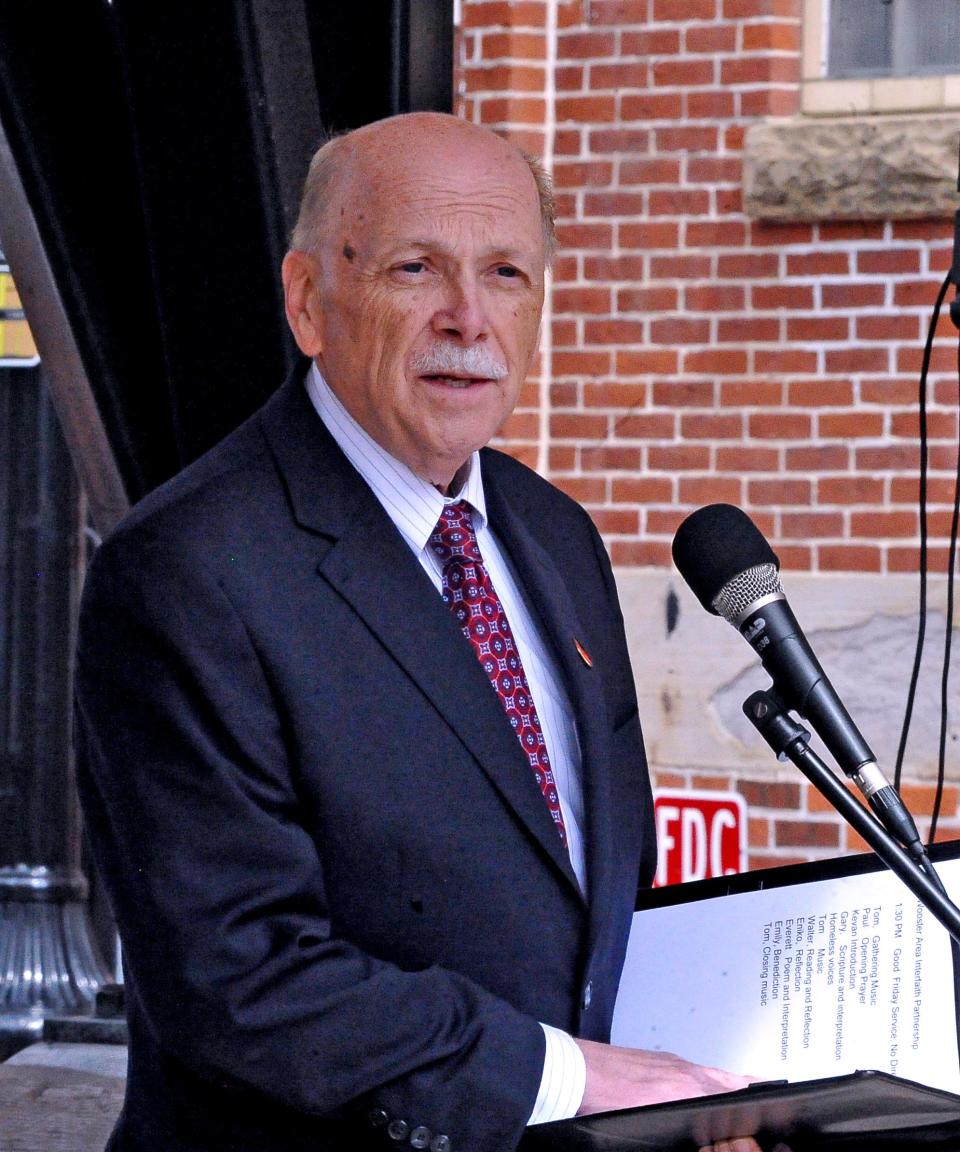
point(357, 910)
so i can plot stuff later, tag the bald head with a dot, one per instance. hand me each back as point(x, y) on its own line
point(416, 283)
point(376, 151)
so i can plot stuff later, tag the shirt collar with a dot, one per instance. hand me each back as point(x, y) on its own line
point(412, 503)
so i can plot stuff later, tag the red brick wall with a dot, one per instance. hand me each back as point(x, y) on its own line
point(789, 822)
point(693, 354)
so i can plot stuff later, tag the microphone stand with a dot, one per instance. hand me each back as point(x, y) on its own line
point(788, 740)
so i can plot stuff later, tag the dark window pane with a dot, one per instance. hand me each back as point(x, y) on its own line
point(893, 37)
point(926, 37)
point(859, 38)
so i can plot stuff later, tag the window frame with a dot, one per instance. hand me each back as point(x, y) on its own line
point(863, 96)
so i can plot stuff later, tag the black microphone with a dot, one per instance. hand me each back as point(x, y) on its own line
point(734, 573)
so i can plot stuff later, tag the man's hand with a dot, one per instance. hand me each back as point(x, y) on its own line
point(631, 1077)
point(742, 1144)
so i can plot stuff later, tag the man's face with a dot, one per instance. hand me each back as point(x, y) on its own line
point(427, 292)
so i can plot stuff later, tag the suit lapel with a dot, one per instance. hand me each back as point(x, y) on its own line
point(369, 564)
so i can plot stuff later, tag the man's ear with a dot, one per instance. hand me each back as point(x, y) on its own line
point(301, 291)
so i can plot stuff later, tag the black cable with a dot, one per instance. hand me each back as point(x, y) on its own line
point(948, 636)
point(924, 453)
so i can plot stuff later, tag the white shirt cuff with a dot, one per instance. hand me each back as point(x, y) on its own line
point(563, 1081)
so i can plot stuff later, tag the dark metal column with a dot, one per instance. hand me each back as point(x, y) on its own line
point(48, 965)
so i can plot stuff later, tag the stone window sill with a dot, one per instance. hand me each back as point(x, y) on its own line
point(860, 168)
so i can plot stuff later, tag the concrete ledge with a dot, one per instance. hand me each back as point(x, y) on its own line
point(100, 1059)
point(56, 1109)
point(878, 167)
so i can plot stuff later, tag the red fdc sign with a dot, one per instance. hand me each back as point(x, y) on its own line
point(699, 834)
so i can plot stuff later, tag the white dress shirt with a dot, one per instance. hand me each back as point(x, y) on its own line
point(414, 506)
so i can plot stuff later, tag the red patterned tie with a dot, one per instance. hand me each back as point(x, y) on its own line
point(469, 593)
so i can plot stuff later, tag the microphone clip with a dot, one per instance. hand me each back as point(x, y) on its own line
point(769, 715)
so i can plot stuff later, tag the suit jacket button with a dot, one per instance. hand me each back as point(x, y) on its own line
point(440, 1144)
point(587, 995)
point(378, 1117)
point(398, 1129)
point(420, 1137)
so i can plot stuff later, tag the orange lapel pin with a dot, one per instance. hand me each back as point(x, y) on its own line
point(584, 654)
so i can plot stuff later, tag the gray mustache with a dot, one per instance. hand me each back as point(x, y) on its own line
point(451, 360)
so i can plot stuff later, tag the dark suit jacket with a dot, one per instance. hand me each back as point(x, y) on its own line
point(342, 899)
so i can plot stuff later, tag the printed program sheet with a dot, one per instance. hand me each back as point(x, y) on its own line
point(797, 983)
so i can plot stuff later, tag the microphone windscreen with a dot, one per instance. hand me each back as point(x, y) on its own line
point(715, 544)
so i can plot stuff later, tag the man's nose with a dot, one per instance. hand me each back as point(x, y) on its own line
point(462, 315)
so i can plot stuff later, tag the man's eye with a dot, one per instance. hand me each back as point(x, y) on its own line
point(508, 271)
point(412, 266)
